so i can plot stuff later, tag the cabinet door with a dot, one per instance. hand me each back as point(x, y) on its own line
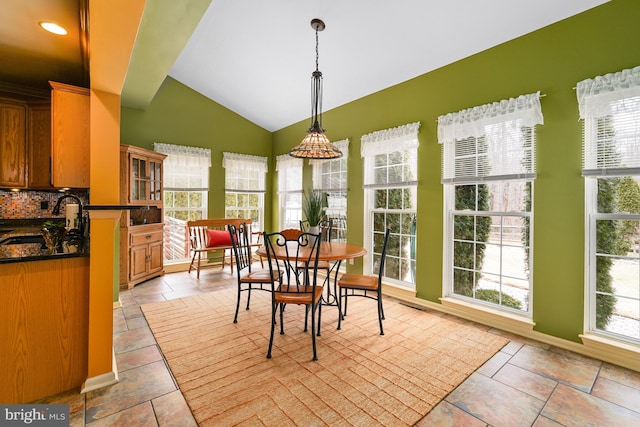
point(69, 136)
point(39, 142)
point(155, 180)
point(13, 145)
point(155, 257)
point(138, 261)
point(139, 178)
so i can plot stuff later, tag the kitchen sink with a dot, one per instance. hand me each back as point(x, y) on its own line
point(20, 240)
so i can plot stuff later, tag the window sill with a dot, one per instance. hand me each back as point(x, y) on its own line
point(506, 321)
point(616, 352)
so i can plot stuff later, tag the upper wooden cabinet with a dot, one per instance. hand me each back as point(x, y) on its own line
point(141, 176)
point(39, 145)
point(70, 115)
point(13, 144)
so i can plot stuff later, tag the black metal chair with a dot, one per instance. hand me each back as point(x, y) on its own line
point(302, 286)
point(360, 285)
point(248, 279)
point(325, 226)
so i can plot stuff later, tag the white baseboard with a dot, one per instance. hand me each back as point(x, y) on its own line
point(103, 380)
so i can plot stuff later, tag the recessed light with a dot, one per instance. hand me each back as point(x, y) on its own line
point(53, 28)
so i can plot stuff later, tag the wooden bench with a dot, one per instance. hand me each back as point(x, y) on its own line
point(207, 236)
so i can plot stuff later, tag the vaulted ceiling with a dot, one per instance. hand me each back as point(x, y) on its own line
point(256, 57)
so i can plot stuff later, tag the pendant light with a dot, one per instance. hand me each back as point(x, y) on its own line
point(315, 144)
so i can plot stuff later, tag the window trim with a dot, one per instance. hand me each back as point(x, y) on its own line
point(400, 139)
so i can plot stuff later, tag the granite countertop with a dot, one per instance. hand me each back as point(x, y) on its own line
point(31, 250)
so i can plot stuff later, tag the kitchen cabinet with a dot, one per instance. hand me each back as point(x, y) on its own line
point(13, 144)
point(145, 252)
point(39, 145)
point(141, 230)
point(45, 328)
point(70, 115)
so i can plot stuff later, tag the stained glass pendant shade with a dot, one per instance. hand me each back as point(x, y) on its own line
point(316, 145)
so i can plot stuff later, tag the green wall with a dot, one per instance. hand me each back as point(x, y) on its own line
point(179, 115)
point(551, 60)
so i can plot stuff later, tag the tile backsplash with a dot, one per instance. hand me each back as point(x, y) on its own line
point(30, 204)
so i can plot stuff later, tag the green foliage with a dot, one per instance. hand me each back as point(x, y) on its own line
point(628, 199)
point(493, 296)
point(313, 206)
point(606, 243)
point(53, 226)
point(470, 228)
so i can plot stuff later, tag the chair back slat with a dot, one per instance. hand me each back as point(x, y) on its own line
point(383, 255)
point(326, 228)
point(198, 237)
point(240, 243)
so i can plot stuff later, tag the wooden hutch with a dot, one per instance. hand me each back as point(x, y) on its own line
point(141, 230)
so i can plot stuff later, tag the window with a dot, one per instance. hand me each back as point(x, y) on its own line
point(610, 108)
point(289, 190)
point(330, 177)
point(245, 187)
point(390, 184)
point(186, 189)
point(488, 169)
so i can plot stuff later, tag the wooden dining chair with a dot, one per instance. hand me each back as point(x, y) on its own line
point(325, 235)
point(248, 279)
point(302, 286)
point(361, 285)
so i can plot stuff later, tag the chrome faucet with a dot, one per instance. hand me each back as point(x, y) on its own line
point(56, 210)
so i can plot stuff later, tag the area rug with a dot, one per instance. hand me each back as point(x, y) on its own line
point(361, 377)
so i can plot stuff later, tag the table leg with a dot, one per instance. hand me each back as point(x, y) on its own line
point(331, 296)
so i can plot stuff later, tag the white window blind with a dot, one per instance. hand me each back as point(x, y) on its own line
point(185, 168)
point(399, 146)
point(610, 108)
point(244, 172)
point(331, 174)
point(490, 142)
point(289, 173)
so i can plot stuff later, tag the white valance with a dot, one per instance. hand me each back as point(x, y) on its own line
point(472, 121)
point(185, 168)
point(598, 97)
point(342, 145)
point(284, 161)
point(183, 150)
point(386, 141)
point(245, 161)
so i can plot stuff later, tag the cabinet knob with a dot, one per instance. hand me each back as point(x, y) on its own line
point(148, 236)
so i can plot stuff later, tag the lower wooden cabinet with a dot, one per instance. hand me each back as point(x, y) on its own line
point(44, 333)
point(144, 247)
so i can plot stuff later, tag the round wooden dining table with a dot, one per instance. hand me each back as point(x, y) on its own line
point(329, 251)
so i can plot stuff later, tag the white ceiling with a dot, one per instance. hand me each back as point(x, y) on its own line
point(255, 57)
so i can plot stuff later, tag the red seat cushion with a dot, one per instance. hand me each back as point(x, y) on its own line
point(218, 238)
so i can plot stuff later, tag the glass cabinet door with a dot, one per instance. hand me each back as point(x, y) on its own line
point(138, 179)
point(155, 180)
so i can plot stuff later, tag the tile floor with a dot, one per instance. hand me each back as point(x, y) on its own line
point(527, 383)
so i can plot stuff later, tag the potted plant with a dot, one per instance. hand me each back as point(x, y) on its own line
point(313, 207)
point(53, 233)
